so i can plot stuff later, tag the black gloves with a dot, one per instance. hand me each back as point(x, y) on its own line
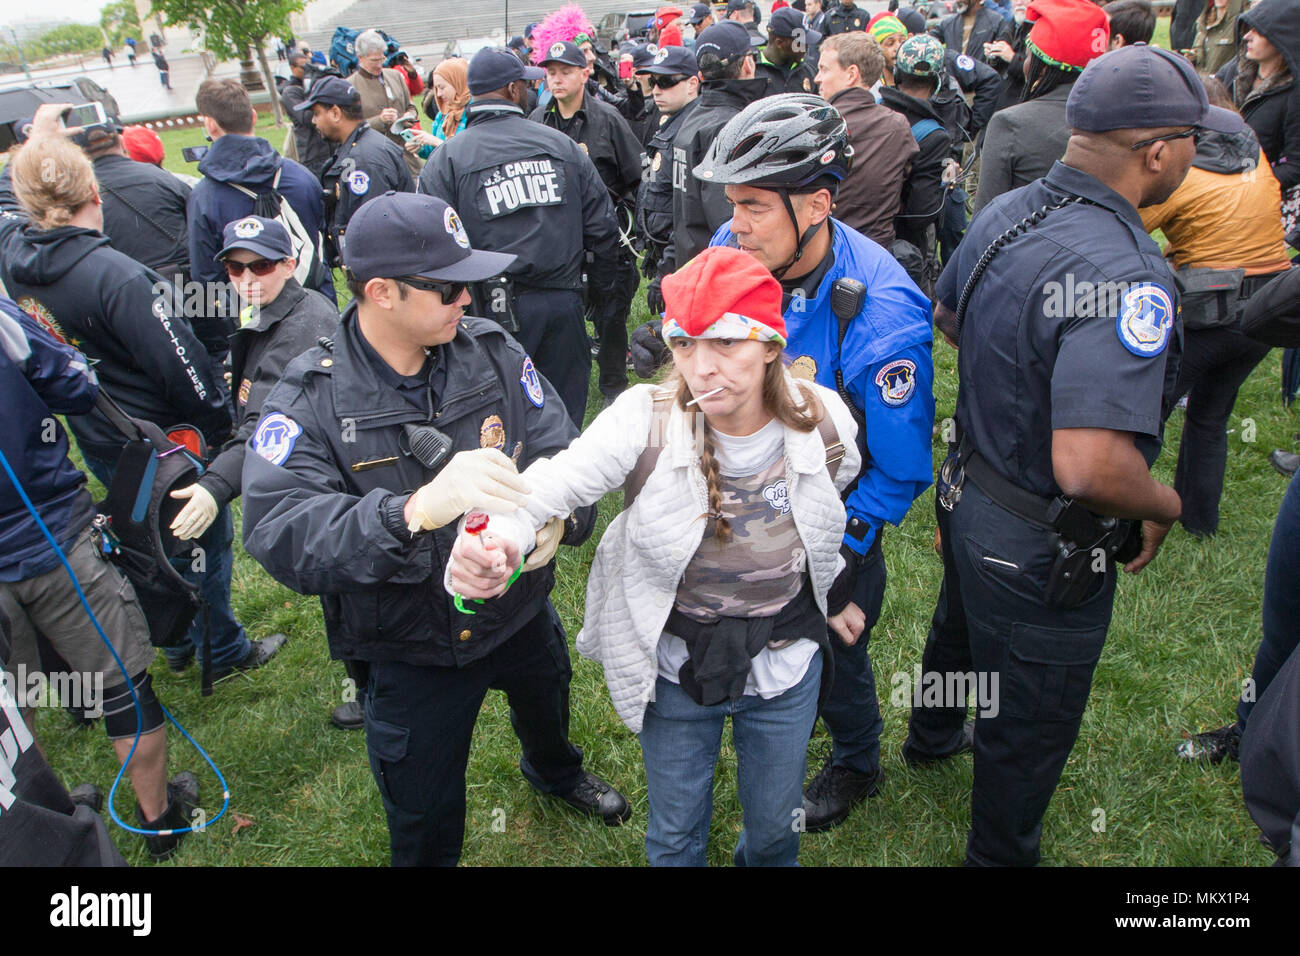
point(647, 349)
point(654, 297)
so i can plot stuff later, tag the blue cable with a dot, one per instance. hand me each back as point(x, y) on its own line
point(139, 710)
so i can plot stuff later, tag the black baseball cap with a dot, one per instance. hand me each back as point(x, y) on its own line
point(495, 67)
point(789, 22)
point(266, 237)
point(698, 13)
point(726, 40)
point(1143, 87)
point(411, 234)
point(331, 91)
point(643, 54)
point(563, 51)
point(671, 61)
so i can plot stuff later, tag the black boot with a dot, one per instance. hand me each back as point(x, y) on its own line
point(182, 798)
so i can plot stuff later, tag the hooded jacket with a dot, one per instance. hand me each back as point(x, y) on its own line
point(923, 197)
point(122, 316)
point(1273, 111)
point(1222, 217)
point(247, 161)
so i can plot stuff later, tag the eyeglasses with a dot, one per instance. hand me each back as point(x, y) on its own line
point(665, 82)
point(1194, 134)
point(259, 267)
point(450, 291)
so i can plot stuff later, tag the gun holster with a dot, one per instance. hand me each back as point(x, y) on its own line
point(495, 299)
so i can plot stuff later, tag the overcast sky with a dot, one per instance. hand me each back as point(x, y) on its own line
point(77, 11)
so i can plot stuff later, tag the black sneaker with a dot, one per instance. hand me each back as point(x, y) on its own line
point(260, 653)
point(1285, 462)
point(348, 716)
point(1212, 746)
point(182, 799)
point(834, 792)
point(597, 798)
point(916, 758)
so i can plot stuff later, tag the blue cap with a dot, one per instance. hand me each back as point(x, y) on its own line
point(698, 13)
point(1143, 87)
point(495, 67)
point(671, 61)
point(643, 55)
point(562, 51)
point(266, 237)
point(789, 22)
point(411, 234)
point(331, 91)
point(726, 40)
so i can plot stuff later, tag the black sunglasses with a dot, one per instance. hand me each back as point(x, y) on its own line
point(450, 291)
point(1194, 134)
point(259, 267)
point(665, 82)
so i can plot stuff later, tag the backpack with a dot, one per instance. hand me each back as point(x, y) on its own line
point(135, 517)
point(343, 53)
point(309, 253)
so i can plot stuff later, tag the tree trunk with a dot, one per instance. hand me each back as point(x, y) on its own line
point(249, 77)
point(270, 85)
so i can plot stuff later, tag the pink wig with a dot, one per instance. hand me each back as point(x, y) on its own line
point(565, 23)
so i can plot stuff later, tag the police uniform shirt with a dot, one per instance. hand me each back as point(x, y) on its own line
point(604, 135)
point(525, 189)
point(799, 78)
point(368, 164)
point(1072, 325)
point(655, 200)
point(843, 19)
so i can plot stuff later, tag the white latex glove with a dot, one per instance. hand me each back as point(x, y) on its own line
point(479, 480)
point(548, 540)
point(197, 515)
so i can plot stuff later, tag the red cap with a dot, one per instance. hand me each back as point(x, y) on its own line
point(1067, 33)
point(143, 145)
point(728, 287)
point(777, 5)
point(665, 16)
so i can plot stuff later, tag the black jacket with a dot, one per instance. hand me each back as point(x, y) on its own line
point(528, 190)
point(923, 191)
point(260, 350)
point(699, 208)
point(144, 213)
point(654, 204)
point(842, 19)
point(963, 75)
point(366, 165)
point(1273, 113)
point(125, 319)
point(320, 525)
point(313, 149)
point(604, 135)
point(989, 26)
point(799, 78)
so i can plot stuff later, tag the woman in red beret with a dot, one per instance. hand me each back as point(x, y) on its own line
point(708, 595)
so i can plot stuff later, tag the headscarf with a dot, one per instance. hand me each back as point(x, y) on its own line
point(455, 72)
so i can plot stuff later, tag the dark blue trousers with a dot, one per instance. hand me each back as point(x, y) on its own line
point(420, 720)
point(553, 332)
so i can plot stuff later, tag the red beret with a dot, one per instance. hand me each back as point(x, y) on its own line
point(1067, 33)
point(143, 145)
point(723, 293)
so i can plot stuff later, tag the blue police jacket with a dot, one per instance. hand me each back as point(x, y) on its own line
point(888, 372)
point(39, 377)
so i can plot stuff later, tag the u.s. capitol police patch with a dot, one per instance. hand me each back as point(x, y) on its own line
point(897, 382)
point(359, 182)
point(532, 383)
point(1145, 319)
point(965, 62)
point(275, 437)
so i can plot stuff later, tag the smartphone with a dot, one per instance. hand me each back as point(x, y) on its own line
point(408, 134)
point(85, 114)
point(192, 154)
point(625, 69)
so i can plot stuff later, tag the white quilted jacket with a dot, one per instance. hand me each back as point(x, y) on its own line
point(646, 549)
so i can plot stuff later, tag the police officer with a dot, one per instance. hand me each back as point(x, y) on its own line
point(604, 135)
point(856, 323)
point(313, 149)
point(530, 191)
point(726, 62)
point(674, 81)
point(412, 395)
point(789, 62)
point(844, 16)
point(1068, 345)
point(366, 163)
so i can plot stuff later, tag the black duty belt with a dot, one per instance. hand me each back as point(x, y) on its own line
point(1060, 514)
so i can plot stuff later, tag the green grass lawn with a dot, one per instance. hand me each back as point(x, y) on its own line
point(1183, 639)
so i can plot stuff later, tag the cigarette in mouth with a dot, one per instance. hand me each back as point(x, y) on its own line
point(698, 398)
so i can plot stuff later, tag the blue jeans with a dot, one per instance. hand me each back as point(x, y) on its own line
point(680, 740)
point(1281, 601)
point(229, 642)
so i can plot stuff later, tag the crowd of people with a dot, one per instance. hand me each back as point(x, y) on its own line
point(804, 203)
